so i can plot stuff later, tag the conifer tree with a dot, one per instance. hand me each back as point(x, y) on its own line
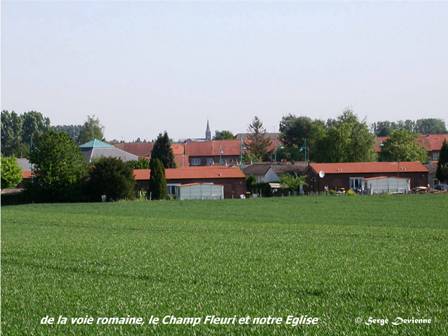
point(157, 182)
point(442, 165)
point(162, 150)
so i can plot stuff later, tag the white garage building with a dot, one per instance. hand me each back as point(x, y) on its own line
point(387, 185)
point(196, 191)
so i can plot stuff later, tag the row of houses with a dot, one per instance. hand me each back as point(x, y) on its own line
point(203, 164)
point(229, 152)
point(365, 177)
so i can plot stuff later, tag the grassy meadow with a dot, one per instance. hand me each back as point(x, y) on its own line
point(336, 258)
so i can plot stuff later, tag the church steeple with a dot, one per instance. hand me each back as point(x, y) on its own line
point(208, 133)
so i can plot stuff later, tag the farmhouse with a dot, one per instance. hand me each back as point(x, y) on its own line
point(358, 175)
point(231, 178)
point(213, 152)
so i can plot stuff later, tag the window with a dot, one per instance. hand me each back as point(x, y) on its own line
point(195, 161)
point(435, 156)
point(171, 188)
point(210, 162)
point(356, 183)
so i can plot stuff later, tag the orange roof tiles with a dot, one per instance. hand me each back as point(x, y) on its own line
point(178, 149)
point(193, 173)
point(430, 142)
point(213, 148)
point(142, 149)
point(369, 167)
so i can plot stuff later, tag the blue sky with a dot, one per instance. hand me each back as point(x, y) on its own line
point(144, 67)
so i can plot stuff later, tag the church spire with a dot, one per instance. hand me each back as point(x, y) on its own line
point(208, 133)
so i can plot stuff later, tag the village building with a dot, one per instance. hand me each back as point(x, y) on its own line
point(358, 175)
point(213, 152)
point(232, 179)
point(267, 172)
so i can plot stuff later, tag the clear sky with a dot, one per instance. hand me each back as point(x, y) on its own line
point(144, 67)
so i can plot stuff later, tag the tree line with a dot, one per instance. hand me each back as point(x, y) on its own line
point(19, 131)
point(343, 139)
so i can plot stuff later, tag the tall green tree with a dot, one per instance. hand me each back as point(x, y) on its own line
point(258, 142)
point(442, 165)
point(157, 181)
point(12, 134)
point(402, 145)
point(91, 129)
point(224, 135)
point(430, 126)
point(33, 124)
point(59, 168)
point(162, 150)
point(347, 139)
point(422, 126)
point(11, 172)
point(72, 131)
point(300, 135)
point(111, 177)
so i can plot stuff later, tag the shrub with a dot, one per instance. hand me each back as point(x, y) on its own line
point(251, 181)
point(11, 172)
point(111, 177)
point(264, 189)
point(58, 170)
point(140, 164)
point(350, 192)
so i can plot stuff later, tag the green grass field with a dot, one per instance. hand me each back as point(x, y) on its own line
point(336, 258)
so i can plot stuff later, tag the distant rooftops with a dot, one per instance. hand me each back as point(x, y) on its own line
point(96, 149)
point(430, 142)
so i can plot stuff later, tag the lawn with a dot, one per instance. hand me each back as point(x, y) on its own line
point(335, 258)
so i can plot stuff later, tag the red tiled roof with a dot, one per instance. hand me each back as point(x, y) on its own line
point(193, 173)
point(430, 142)
point(369, 167)
point(181, 161)
point(145, 148)
point(213, 148)
point(178, 149)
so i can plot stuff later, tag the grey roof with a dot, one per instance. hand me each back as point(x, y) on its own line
point(257, 169)
point(96, 153)
point(296, 167)
point(260, 169)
